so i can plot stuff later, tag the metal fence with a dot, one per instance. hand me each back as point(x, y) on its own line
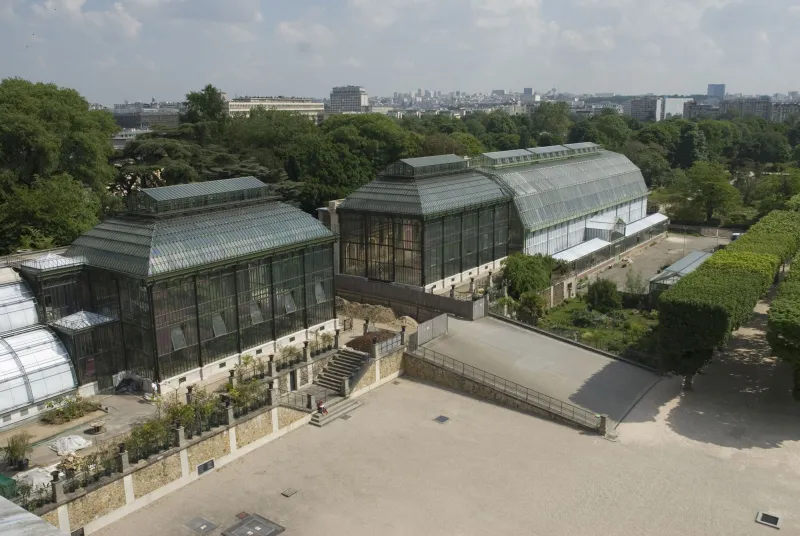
point(427, 331)
point(566, 410)
point(389, 345)
point(347, 324)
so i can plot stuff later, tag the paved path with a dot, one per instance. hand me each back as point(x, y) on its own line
point(391, 471)
point(598, 383)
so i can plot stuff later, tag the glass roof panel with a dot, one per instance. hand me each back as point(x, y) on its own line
point(17, 307)
point(548, 192)
point(149, 247)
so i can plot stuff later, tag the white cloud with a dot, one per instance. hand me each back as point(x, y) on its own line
point(306, 34)
point(593, 40)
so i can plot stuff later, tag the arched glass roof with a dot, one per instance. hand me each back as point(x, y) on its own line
point(17, 306)
point(34, 366)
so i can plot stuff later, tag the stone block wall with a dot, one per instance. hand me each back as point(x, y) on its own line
point(391, 364)
point(367, 379)
point(255, 428)
point(96, 504)
point(156, 475)
point(213, 447)
point(319, 365)
point(287, 416)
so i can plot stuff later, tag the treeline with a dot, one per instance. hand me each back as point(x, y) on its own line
point(59, 174)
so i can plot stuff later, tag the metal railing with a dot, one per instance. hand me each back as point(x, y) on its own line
point(389, 345)
point(566, 410)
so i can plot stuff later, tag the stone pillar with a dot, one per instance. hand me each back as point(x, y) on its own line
point(189, 394)
point(311, 402)
point(271, 358)
point(490, 280)
point(603, 430)
point(403, 335)
point(306, 352)
point(373, 350)
point(180, 436)
point(123, 457)
point(452, 291)
point(366, 326)
point(232, 379)
point(505, 302)
point(230, 415)
point(345, 389)
point(472, 285)
point(272, 397)
point(336, 340)
point(58, 488)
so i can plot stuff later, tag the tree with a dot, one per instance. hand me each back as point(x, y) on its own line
point(527, 273)
point(613, 129)
point(707, 190)
point(551, 117)
point(51, 212)
point(531, 307)
point(764, 147)
point(469, 143)
point(208, 104)
point(441, 144)
point(585, 131)
point(692, 147)
point(651, 160)
point(602, 296)
point(634, 283)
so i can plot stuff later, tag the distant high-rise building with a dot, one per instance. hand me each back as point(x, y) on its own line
point(716, 91)
point(644, 108)
point(748, 107)
point(527, 91)
point(498, 92)
point(695, 110)
point(349, 99)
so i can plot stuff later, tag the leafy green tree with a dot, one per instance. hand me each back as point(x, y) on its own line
point(634, 283)
point(775, 189)
point(691, 148)
point(613, 129)
point(531, 307)
point(551, 117)
point(708, 190)
point(52, 211)
point(651, 160)
point(666, 134)
point(602, 296)
point(585, 131)
point(441, 144)
point(208, 104)
point(765, 147)
point(527, 273)
point(374, 136)
point(793, 134)
point(469, 143)
point(721, 137)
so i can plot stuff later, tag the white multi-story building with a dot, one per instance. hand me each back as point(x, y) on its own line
point(349, 99)
point(644, 108)
point(305, 106)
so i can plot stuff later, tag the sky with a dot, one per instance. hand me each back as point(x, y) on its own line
point(116, 50)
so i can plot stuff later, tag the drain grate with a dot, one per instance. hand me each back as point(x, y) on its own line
point(288, 492)
point(252, 525)
point(441, 419)
point(768, 519)
point(346, 417)
point(200, 525)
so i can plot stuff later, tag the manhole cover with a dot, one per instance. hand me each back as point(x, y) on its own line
point(288, 492)
point(768, 519)
point(346, 417)
point(441, 419)
point(254, 525)
point(201, 526)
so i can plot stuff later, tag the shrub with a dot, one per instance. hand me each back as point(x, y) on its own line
point(634, 283)
point(603, 296)
point(583, 318)
point(527, 273)
point(783, 327)
point(17, 448)
point(68, 409)
point(531, 307)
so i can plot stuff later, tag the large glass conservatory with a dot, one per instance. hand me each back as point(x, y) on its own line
point(422, 221)
point(189, 276)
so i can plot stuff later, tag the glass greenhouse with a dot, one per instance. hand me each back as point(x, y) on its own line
point(423, 220)
point(187, 276)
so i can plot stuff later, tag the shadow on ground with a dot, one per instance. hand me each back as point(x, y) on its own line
point(742, 400)
point(614, 389)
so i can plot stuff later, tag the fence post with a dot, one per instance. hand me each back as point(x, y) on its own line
point(58, 488)
point(229, 410)
point(311, 401)
point(490, 280)
point(189, 394)
point(272, 397)
point(306, 352)
point(472, 285)
point(452, 291)
point(345, 388)
point(272, 369)
point(403, 335)
point(336, 340)
point(373, 350)
point(180, 436)
point(232, 379)
point(366, 326)
point(123, 458)
point(603, 429)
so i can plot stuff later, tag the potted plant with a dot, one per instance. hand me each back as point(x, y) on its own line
point(327, 341)
point(16, 450)
point(261, 367)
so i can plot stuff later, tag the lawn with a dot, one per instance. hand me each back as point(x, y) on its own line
point(622, 330)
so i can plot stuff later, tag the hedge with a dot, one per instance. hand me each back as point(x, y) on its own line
point(783, 327)
point(698, 313)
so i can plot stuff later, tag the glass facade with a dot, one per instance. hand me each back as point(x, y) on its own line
point(96, 353)
point(414, 252)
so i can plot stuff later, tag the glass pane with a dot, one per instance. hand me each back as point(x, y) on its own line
point(219, 325)
point(178, 338)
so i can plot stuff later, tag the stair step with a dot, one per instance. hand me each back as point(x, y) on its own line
point(341, 369)
point(346, 361)
point(328, 384)
point(334, 412)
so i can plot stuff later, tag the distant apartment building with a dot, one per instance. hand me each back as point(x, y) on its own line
point(351, 99)
point(696, 110)
point(716, 91)
point(644, 108)
point(121, 138)
point(141, 115)
point(241, 107)
point(747, 107)
point(785, 111)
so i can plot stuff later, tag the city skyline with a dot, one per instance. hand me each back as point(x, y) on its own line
point(133, 49)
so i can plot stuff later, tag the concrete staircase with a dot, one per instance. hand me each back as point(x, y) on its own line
point(345, 364)
point(341, 407)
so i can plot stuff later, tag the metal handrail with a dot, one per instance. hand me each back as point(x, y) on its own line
point(569, 411)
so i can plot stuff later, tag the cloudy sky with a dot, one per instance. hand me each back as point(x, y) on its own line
point(113, 50)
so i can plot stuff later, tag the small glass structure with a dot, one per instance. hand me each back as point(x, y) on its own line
point(677, 271)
